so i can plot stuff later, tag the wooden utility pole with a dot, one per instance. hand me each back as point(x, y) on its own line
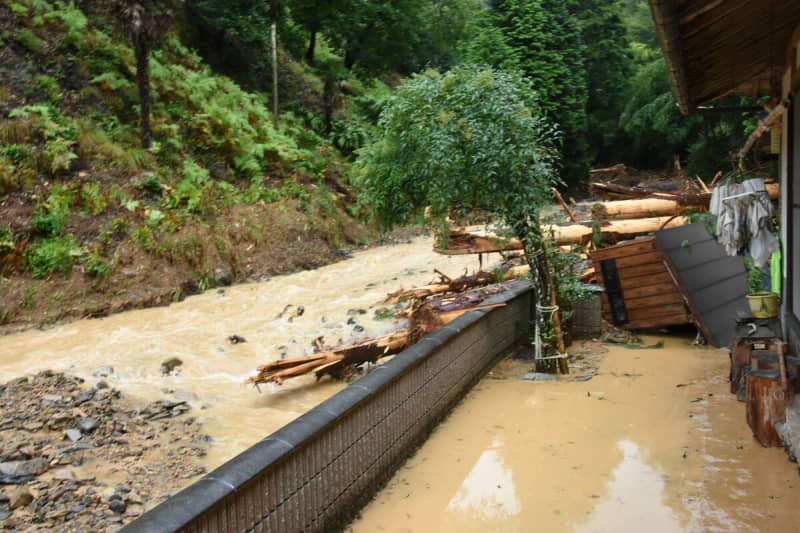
point(274, 28)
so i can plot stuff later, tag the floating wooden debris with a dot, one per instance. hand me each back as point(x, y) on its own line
point(330, 361)
point(424, 317)
point(445, 284)
point(683, 198)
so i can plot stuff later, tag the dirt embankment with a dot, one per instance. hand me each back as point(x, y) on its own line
point(89, 459)
point(148, 268)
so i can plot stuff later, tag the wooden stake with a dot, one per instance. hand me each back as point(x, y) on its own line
point(560, 199)
point(563, 364)
point(702, 184)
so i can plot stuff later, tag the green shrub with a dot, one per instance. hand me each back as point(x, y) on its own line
point(146, 239)
point(9, 181)
point(151, 185)
point(26, 38)
point(154, 217)
point(48, 87)
point(7, 243)
point(19, 10)
point(93, 199)
point(113, 229)
point(95, 266)
point(51, 218)
point(56, 134)
point(73, 22)
point(53, 255)
point(112, 81)
point(225, 119)
point(348, 136)
point(189, 191)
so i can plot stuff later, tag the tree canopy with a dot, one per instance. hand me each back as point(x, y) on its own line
point(469, 139)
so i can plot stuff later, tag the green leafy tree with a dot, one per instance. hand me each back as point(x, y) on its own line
point(542, 39)
point(608, 66)
point(311, 15)
point(463, 141)
point(468, 140)
point(658, 131)
point(639, 22)
point(651, 118)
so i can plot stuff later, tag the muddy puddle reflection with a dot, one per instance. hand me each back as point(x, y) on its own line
point(338, 303)
point(635, 496)
point(653, 443)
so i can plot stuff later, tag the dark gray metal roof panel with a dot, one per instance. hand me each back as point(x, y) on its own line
point(696, 276)
point(692, 254)
point(674, 237)
point(714, 284)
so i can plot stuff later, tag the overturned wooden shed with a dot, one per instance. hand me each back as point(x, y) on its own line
point(639, 292)
point(678, 276)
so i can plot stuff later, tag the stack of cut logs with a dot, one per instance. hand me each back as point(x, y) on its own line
point(639, 212)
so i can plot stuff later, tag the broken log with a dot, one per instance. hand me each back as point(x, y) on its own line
point(425, 317)
point(476, 240)
point(461, 284)
point(640, 208)
point(608, 170)
point(327, 362)
point(564, 205)
point(443, 285)
point(687, 199)
point(772, 118)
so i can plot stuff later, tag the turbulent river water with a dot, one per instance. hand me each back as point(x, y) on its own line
point(213, 372)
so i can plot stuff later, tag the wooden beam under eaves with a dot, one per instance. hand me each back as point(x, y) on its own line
point(665, 16)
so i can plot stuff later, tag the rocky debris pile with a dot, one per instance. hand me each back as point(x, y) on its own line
point(88, 459)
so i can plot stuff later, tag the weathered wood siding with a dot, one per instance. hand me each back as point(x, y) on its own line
point(647, 290)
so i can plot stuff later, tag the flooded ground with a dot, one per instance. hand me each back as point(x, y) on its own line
point(196, 330)
point(654, 443)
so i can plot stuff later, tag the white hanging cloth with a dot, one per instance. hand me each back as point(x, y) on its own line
point(743, 212)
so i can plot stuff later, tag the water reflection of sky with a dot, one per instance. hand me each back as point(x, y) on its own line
point(488, 491)
point(635, 499)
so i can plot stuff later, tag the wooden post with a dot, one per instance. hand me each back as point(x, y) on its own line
point(563, 364)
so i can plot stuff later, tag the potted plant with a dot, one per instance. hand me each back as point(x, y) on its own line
point(763, 303)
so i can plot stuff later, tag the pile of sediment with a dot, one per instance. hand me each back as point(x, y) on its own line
point(74, 458)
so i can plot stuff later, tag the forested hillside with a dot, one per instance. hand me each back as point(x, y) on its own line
point(141, 157)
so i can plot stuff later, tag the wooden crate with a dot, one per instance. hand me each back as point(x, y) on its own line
point(638, 286)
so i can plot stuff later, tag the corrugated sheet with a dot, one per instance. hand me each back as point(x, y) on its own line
point(714, 284)
point(640, 293)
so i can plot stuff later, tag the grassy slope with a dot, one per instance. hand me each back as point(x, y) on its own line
point(90, 223)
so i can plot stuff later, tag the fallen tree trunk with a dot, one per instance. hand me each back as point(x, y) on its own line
point(425, 318)
point(460, 284)
point(640, 208)
point(327, 362)
point(477, 240)
point(609, 170)
point(685, 199)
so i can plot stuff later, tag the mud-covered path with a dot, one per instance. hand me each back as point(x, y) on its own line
point(654, 443)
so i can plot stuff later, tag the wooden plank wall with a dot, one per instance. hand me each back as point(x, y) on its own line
point(651, 297)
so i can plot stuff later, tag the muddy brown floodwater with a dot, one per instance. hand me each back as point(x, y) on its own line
point(629, 450)
point(211, 377)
